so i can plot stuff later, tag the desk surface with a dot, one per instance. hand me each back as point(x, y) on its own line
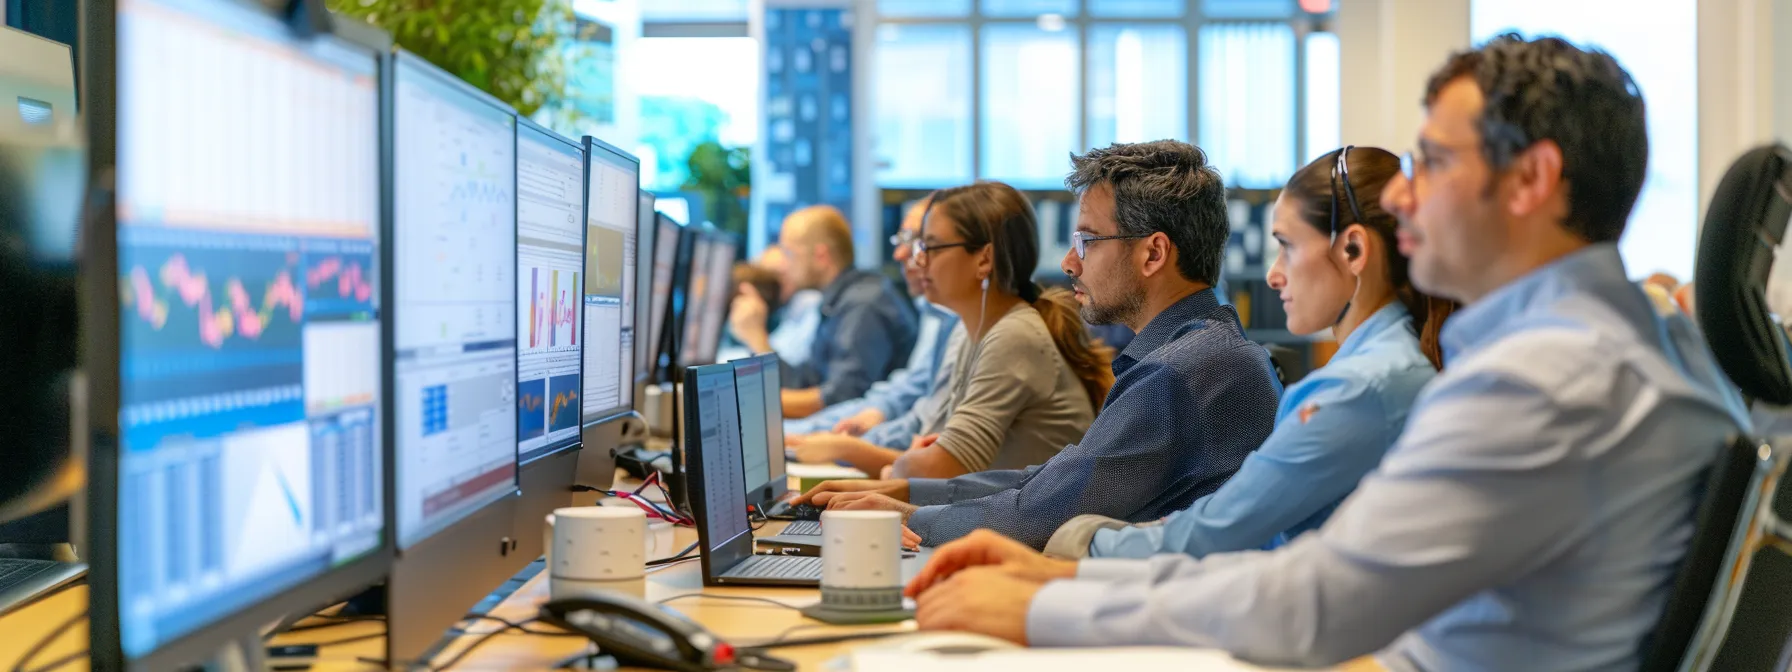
point(739, 623)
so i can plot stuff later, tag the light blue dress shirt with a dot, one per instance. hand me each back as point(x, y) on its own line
point(896, 394)
point(1332, 428)
point(1531, 517)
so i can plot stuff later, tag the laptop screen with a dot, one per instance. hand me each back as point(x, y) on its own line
point(749, 387)
point(716, 453)
point(774, 427)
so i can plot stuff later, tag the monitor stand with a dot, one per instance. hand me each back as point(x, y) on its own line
point(246, 653)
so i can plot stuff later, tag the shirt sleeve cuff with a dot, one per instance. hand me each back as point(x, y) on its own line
point(1062, 613)
point(929, 491)
point(1110, 569)
point(922, 520)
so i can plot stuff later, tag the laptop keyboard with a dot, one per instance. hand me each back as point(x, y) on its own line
point(803, 527)
point(777, 567)
point(14, 572)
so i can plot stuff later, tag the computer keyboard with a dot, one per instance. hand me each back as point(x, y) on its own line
point(777, 567)
point(803, 512)
point(804, 527)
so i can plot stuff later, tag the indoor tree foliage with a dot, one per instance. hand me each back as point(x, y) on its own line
point(508, 48)
point(723, 176)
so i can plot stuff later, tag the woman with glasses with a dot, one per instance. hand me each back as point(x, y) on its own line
point(1027, 379)
point(1339, 272)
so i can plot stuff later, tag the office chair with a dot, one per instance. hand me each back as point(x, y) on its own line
point(1725, 611)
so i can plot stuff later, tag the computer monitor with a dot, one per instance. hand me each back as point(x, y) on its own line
point(700, 286)
point(666, 243)
point(37, 81)
point(233, 333)
point(713, 313)
point(757, 383)
point(550, 262)
point(612, 203)
point(646, 235)
point(454, 342)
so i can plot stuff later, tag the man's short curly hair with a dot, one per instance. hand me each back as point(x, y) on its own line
point(1583, 100)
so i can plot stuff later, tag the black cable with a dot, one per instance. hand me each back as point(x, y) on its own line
point(682, 555)
point(59, 662)
point(660, 568)
point(351, 640)
point(734, 598)
point(478, 642)
point(44, 643)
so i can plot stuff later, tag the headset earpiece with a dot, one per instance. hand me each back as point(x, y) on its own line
point(1351, 251)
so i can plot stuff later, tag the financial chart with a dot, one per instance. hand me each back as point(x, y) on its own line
point(456, 334)
point(611, 197)
point(248, 246)
point(550, 291)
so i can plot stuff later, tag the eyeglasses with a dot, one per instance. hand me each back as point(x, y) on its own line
point(1342, 168)
point(922, 248)
point(1079, 241)
point(904, 238)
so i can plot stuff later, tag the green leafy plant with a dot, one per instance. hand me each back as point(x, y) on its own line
point(508, 48)
point(724, 177)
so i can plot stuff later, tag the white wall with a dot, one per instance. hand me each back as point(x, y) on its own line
point(1388, 49)
point(1736, 83)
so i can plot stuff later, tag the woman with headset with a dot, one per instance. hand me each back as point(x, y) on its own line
point(1027, 379)
point(1339, 271)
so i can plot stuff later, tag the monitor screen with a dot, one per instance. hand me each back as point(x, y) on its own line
point(549, 260)
point(695, 299)
point(611, 190)
point(250, 372)
point(713, 310)
point(455, 339)
point(719, 435)
point(749, 387)
point(665, 259)
point(774, 420)
point(646, 228)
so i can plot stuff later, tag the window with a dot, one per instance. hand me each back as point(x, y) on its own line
point(1247, 109)
point(923, 8)
point(922, 93)
point(1247, 9)
point(694, 10)
point(1324, 99)
point(692, 90)
point(1659, 47)
point(1138, 83)
point(1029, 99)
point(1136, 9)
point(1028, 8)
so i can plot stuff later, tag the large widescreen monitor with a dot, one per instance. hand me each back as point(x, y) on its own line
point(699, 287)
point(455, 339)
point(646, 238)
point(712, 311)
point(241, 296)
point(611, 195)
point(665, 258)
point(550, 262)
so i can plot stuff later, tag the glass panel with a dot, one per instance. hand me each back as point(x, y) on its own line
point(1005, 8)
point(1247, 9)
point(694, 10)
point(1138, 83)
point(1030, 89)
point(1247, 102)
point(1660, 49)
point(692, 90)
point(921, 90)
point(1323, 96)
point(1131, 9)
point(924, 8)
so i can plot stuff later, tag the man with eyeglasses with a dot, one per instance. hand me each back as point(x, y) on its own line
point(1535, 509)
point(1191, 397)
point(886, 416)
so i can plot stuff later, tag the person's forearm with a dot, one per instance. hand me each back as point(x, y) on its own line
point(868, 458)
point(802, 403)
point(929, 462)
point(759, 342)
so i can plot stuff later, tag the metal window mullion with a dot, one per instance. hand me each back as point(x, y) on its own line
point(976, 22)
point(1082, 97)
point(1192, 22)
point(1301, 151)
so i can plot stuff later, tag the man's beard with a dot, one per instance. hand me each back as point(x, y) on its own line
point(1129, 301)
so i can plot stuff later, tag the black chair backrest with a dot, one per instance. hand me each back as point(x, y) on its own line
point(1726, 490)
point(1745, 224)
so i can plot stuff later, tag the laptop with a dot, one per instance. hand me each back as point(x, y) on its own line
point(715, 472)
point(757, 384)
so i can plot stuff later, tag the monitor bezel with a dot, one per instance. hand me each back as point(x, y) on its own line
point(717, 555)
point(733, 243)
point(102, 380)
point(577, 439)
point(647, 227)
point(665, 358)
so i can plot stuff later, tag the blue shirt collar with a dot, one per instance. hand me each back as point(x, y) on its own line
point(1164, 328)
point(1596, 267)
point(1391, 316)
